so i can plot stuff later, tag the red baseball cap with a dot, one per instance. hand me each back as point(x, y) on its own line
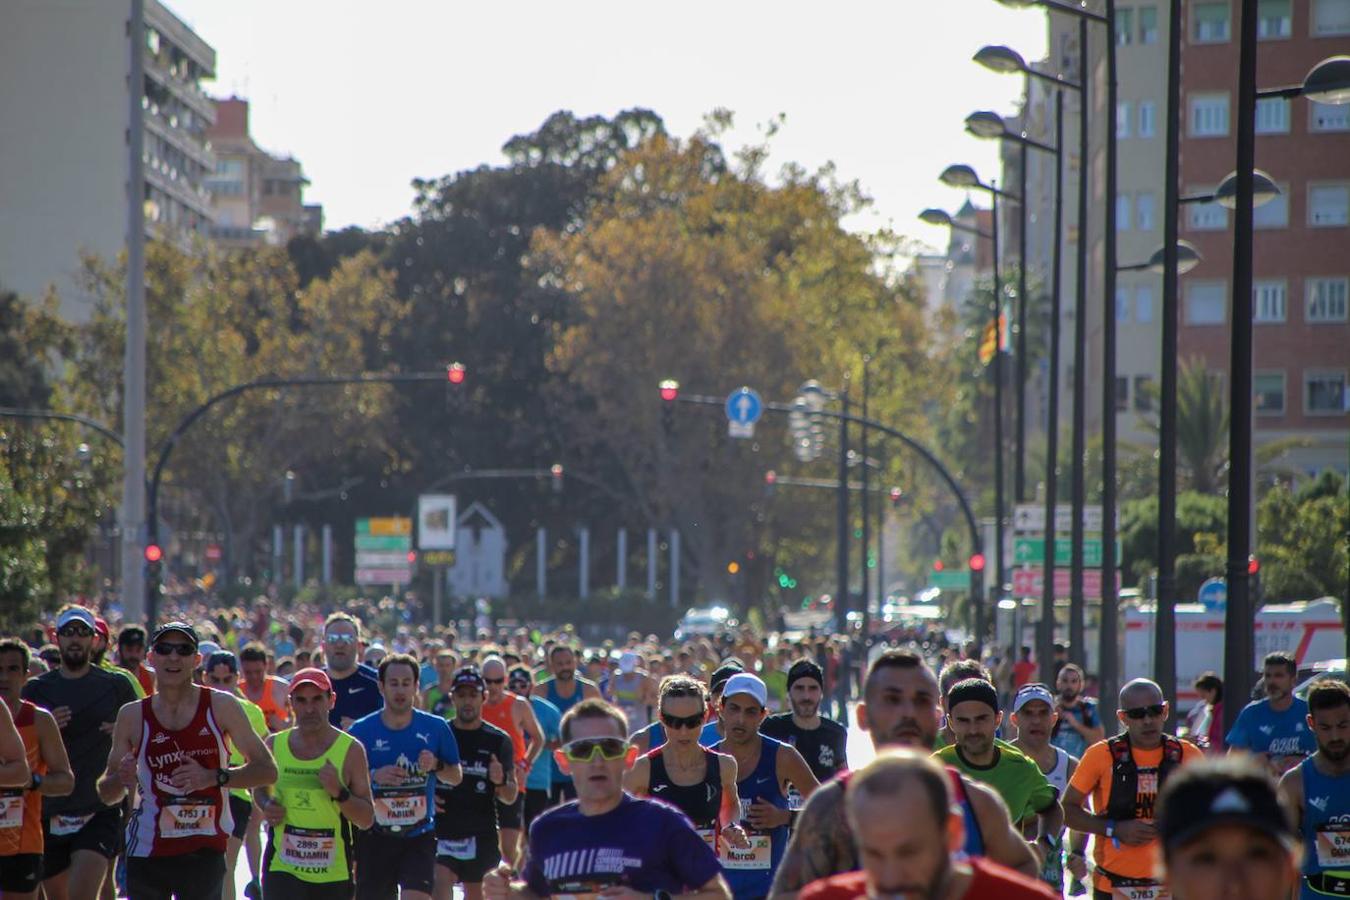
point(316, 677)
point(101, 626)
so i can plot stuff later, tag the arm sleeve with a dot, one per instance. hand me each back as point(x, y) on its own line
point(690, 857)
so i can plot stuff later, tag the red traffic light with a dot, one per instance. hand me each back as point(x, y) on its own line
point(412, 557)
point(896, 494)
point(977, 562)
point(670, 389)
point(153, 553)
point(556, 470)
point(771, 477)
point(454, 373)
point(1253, 565)
point(938, 566)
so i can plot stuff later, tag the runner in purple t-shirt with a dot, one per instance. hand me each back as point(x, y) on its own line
point(608, 844)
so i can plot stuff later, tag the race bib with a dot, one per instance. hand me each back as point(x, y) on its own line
point(187, 817)
point(758, 856)
point(399, 809)
point(794, 798)
point(1333, 847)
point(65, 825)
point(709, 836)
point(1140, 892)
point(579, 890)
point(11, 810)
point(308, 848)
point(462, 848)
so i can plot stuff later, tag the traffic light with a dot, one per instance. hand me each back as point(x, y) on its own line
point(1253, 565)
point(670, 392)
point(770, 481)
point(938, 565)
point(733, 567)
point(785, 581)
point(454, 373)
point(412, 557)
point(154, 560)
point(896, 496)
point(555, 475)
point(977, 562)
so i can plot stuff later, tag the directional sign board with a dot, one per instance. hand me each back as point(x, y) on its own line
point(1213, 593)
point(1027, 582)
point(948, 581)
point(382, 546)
point(1030, 517)
point(744, 407)
point(1032, 550)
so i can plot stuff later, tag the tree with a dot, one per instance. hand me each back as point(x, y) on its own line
point(1302, 538)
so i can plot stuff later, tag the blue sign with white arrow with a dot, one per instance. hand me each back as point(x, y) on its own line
point(1213, 594)
point(744, 407)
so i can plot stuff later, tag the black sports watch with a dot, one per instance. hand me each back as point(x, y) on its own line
point(36, 783)
point(663, 895)
point(222, 777)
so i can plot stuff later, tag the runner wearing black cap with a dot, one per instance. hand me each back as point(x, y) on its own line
point(466, 815)
point(1225, 835)
point(822, 742)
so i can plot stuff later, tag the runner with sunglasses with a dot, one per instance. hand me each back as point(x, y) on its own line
point(513, 714)
point(765, 768)
point(356, 686)
point(1123, 775)
point(80, 830)
point(607, 842)
point(701, 783)
point(172, 750)
point(654, 735)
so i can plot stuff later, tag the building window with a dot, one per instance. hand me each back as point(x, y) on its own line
point(1323, 392)
point(1273, 20)
point(1148, 118)
point(1143, 211)
point(1328, 205)
point(1206, 302)
point(1209, 23)
point(1209, 115)
point(1207, 216)
point(1268, 393)
point(1275, 212)
point(1122, 212)
point(1328, 117)
point(1124, 26)
point(1143, 393)
point(1122, 393)
point(1143, 304)
point(1272, 115)
point(1268, 301)
point(1123, 119)
point(1148, 24)
point(1122, 305)
point(1330, 17)
point(1327, 299)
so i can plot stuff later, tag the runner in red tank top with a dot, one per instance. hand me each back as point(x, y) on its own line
point(172, 747)
point(513, 714)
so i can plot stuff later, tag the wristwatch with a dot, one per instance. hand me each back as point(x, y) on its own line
point(662, 895)
point(222, 777)
point(342, 795)
point(1111, 828)
point(36, 782)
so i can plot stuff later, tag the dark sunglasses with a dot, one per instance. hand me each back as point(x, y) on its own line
point(165, 648)
point(1143, 712)
point(340, 638)
point(585, 749)
point(677, 722)
point(494, 680)
point(75, 631)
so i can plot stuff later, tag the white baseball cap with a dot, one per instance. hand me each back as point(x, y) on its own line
point(628, 662)
point(1029, 692)
point(745, 683)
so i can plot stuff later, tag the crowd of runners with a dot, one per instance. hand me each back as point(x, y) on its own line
point(340, 763)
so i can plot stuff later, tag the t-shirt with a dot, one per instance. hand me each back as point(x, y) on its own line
point(541, 773)
point(1093, 779)
point(1065, 737)
point(1023, 671)
point(775, 683)
point(989, 881)
point(405, 810)
point(94, 699)
point(1016, 777)
point(358, 695)
point(642, 844)
point(470, 806)
point(1260, 729)
point(825, 748)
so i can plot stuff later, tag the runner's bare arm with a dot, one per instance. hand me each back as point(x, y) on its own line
point(793, 768)
point(1002, 843)
point(282, 702)
point(637, 779)
point(14, 770)
point(120, 773)
point(59, 780)
point(259, 768)
point(716, 889)
point(589, 689)
point(262, 794)
point(529, 726)
point(1291, 789)
point(820, 845)
point(358, 808)
point(731, 798)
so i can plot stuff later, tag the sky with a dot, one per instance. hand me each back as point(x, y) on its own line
point(369, 96)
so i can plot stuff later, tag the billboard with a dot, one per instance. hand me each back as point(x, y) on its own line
point(436, 521)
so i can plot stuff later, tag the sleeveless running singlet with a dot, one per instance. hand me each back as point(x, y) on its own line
point(310, 844)
point(701, 801)
point(20, 808)
point(627, 693)
point(166, 821)
point(563, 703)
point(750, 872)
point(268, 702)
point(500, 714)
point(1326, 834)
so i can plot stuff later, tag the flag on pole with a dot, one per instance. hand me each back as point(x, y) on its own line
point(990, 340)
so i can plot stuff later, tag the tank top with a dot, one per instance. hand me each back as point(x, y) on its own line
point(1052, 867)
point(268, 702)
point(1326, 829)
point(700, 801)
point(166, 821)
point(563, 703)
point(750, 871)
point(310, 843)
point(20, 808)
point(627, 693)
point(500, 714)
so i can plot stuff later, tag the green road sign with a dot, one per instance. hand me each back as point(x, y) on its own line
point(948, 581)
point(383, 542)
point(1031, 550)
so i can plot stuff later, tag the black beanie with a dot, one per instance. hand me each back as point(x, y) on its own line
point(805, 668)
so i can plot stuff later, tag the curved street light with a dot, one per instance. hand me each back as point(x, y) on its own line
point(1327, 82)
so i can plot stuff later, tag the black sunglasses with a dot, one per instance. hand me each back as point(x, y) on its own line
point(165, 648)
point(676, 722)
point(75, 631)
point(1143, 712)
point(494, 680)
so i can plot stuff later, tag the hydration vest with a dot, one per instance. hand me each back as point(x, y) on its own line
point(1120, 802)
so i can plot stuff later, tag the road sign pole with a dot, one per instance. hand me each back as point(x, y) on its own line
point(621, 551)
point(437, 573)
point(540, 559)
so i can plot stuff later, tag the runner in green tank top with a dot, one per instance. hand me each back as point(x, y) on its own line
point(323, 781)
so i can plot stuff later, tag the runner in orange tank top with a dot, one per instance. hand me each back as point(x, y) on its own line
point(513, 714)
point(21, 843)
point(268, 691)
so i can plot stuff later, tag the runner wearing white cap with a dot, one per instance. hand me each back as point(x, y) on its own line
point(1034, 714)
point(633, 690)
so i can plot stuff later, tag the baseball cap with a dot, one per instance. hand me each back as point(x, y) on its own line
point(77, 614)
point(316, 677)
point(220, 658)
point(1230, 791)
point(1029, 692)
point(805, 668)
point(181, 627)
point(723, 672)
point(468, 675)
point(101, 626)
point(208, 649)
point(519, 675)
point(628, 662)
point(745, 683)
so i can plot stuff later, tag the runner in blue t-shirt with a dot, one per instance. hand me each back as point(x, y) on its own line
point(1275, 729)
point(539, 781)
point(606, 838)
point(355, 685)
point(406, 747)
